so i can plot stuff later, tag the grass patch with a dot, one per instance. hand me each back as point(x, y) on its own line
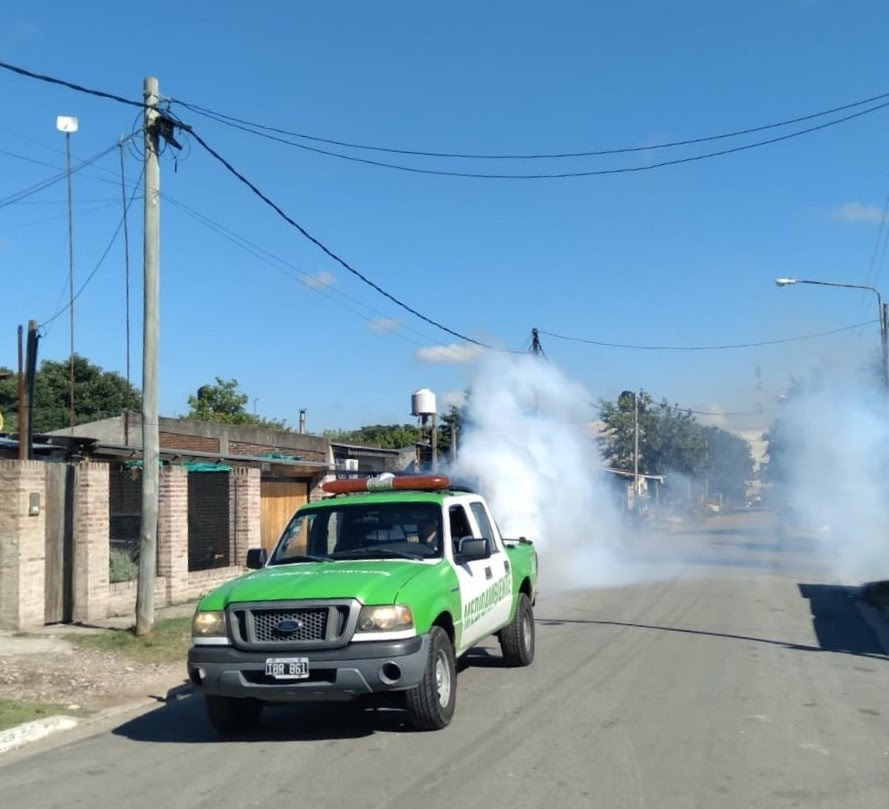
point(13, 712)
point(167, 643)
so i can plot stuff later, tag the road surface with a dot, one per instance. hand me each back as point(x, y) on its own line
point(743, 677)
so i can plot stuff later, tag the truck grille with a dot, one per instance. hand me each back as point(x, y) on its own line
point(292, 625)
point(310, 625)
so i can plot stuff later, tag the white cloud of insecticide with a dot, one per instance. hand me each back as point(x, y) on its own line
point(526, 442)
point(832, 493)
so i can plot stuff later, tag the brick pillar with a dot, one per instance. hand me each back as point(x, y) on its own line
point(172, 532)
point(92, 541)
point(245, 510)
point(22, 545)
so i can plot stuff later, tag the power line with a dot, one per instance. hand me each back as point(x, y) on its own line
point(232, 120)
point(232, 170)
point(563, 174)
point(101, 260)
point(71, 85)
point(477, 175)
point(270, 258)
point(24, 193)
point(704, 347)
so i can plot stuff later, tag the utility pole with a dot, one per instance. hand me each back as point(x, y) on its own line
point(150, 438)
point(536, 347)
point(635, 445)
point(884, 340)
point(26, 392)
point(23, 446)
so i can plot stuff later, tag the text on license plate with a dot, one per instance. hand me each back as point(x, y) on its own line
point(287, 668)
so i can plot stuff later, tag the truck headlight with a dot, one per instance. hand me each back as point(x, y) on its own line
point(208, 625)
point(389, 618)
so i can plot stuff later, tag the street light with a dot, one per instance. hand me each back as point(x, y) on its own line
point(68, 124)
point(882, 311)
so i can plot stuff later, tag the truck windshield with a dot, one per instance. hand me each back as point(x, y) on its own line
point(361, 531)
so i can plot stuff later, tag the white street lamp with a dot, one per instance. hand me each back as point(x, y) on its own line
point(68, 125)
point(882, 312)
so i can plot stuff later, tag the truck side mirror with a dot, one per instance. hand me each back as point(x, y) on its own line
point(470, 549)
point(256, 558)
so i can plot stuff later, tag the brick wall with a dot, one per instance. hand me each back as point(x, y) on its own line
point(91, 542)
point(172, 532)
point(22, 545)
point(247, 448)
point(122, 596)
point(245, 513)
point(201, 582)
point(198, 442)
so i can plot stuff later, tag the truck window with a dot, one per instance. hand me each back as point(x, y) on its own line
point(459, 523)
point(484, 524)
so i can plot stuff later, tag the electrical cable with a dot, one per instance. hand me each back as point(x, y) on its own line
point(95, 269)
point(24, 193)
point(342, 262)
point(70, 85)
point(270, 258)
point(230, 119)
point(710, 347)
point(563, 174)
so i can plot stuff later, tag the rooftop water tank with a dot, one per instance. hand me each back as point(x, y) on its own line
point(423, 402)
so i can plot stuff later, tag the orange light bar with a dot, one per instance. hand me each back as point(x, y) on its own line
point(429, 483)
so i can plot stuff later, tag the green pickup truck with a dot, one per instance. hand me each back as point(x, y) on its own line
point(376, 590)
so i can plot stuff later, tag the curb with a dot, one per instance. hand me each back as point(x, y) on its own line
point(23, 734)
point(19, 736)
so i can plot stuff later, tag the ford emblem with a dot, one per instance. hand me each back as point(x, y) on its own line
point(289, 625)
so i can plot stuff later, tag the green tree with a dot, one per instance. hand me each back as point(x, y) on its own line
point(728, 464)
point(386, 436)
point(224, 403)
point(98, 395)
point(670, 438)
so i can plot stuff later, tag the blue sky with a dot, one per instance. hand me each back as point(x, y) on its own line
point(681, 255)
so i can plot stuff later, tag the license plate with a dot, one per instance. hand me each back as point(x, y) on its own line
point(287, 668)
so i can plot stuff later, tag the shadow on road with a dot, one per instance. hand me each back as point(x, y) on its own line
point(838, 625)
point(185, 722)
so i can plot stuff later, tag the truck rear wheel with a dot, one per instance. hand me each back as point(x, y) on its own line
point(517, 638)
point(232, 715)
point(430, 705)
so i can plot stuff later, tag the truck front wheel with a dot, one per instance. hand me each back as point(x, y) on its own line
point(232, 715)
point(430, 705)
point(517, 638)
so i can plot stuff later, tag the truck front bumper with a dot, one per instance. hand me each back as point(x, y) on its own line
point(367, 667)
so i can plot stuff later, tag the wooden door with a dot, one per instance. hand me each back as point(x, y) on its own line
point(59, 538)
point(280, 498)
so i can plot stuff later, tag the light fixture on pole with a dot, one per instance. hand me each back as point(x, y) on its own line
point(883, 314)
point(68, 125)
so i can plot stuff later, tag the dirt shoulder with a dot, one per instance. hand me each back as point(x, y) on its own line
point(93, 668)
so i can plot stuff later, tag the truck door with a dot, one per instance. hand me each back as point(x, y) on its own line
point(484, 586)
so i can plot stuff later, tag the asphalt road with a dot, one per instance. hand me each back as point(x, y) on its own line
point(745, 677)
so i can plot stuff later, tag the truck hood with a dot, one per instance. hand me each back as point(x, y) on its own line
point(371, 582)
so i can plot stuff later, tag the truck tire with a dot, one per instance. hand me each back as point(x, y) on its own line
point(517, 638)
point(430, 705)
point(232, 715)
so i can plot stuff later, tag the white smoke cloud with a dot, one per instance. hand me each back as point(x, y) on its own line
point(859, 212)
point(454, 354)
point(836, 496)
point(320, 281)
point(385, 325)
point(526, 441)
